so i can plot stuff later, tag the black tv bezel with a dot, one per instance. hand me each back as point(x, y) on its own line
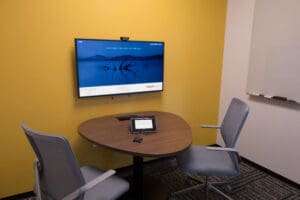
point(116, 94)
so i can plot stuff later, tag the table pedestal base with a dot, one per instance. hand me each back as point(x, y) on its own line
point(154, 189)
point(146, 187)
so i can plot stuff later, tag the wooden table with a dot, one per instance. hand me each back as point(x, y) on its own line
point(172, 136)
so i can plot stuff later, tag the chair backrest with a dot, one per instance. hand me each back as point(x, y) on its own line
point(233, 121)
point(59, 171)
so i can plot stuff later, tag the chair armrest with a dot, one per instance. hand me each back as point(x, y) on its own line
point(226, 149)
point(222, 149)
point(89, 185)
point(210, 126)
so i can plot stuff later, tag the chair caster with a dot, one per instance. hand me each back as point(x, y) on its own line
point(228, 188)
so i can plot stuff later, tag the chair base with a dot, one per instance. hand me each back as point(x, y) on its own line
point(202, 184)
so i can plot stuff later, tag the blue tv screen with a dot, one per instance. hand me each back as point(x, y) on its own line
point(113, 67)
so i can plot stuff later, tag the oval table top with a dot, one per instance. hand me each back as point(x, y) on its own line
point(173, 134)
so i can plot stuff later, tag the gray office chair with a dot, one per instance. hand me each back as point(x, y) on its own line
point(58, 175)
point(216, 161)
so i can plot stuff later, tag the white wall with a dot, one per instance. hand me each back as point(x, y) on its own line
point(271, 136)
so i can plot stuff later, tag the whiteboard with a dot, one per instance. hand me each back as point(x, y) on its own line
point(274, 65)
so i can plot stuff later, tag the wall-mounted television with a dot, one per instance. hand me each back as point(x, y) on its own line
point(113, 67)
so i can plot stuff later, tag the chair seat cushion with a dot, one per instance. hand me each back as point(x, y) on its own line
point(197, 159)
point(111, 188)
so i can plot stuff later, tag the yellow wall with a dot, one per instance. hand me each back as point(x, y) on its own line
point(37, 77)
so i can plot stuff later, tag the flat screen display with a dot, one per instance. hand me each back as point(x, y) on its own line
point(113, 67)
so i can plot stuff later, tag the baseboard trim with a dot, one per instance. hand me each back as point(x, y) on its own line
point(266, 170)
point(19, 196)
point(260, 167)
point(271, 173)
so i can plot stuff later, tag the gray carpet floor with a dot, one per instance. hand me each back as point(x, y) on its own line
point(252, 184)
